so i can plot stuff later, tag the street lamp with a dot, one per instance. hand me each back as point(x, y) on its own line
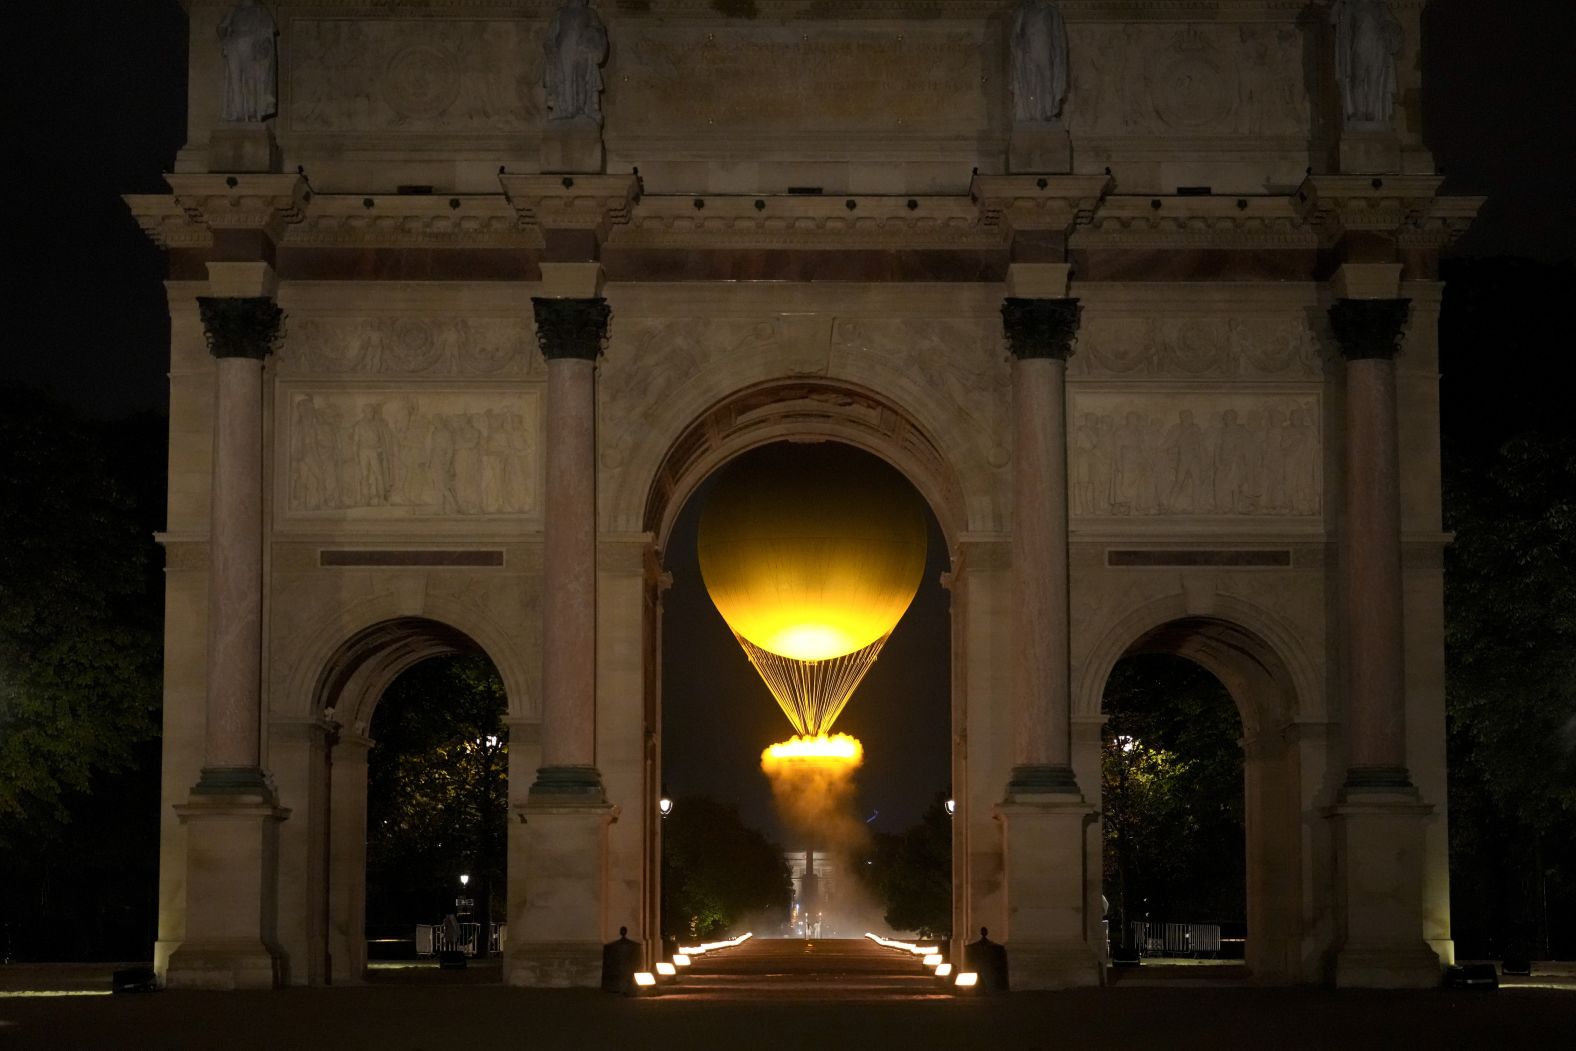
point(465, 880)
point(664, 806)
point(952, 807)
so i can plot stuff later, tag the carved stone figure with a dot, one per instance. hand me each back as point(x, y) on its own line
point(251, 62)
point(1367, 40)
point(575, 47)
point(1039, 61)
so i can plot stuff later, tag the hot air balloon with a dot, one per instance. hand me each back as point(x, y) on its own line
point(812, 554)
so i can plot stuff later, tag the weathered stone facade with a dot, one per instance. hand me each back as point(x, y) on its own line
point(832, 204)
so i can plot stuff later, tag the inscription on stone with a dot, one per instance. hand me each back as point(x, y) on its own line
point(1134, 455)
point(423, 75)
point(395, 455)
point(416, 346)
point(834, 79)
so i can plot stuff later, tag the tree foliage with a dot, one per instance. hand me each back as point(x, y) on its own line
point(79, 638)
point(911, 874)
point(1171, 769)
point(437, 791)
point(717, 872)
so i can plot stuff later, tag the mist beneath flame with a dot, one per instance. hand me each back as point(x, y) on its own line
point(813, 785)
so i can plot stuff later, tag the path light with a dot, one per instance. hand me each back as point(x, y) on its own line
point(965, 979)
point(932, 959)
point(666, 969)
point(681, 960)
point(944, 971)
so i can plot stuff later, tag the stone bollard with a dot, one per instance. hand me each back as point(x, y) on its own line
point(988, 959)
point(620, 961)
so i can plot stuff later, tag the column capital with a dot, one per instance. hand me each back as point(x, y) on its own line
point(240, 326)
point(571, 328)
point(1040, 328)
point(1369, 328)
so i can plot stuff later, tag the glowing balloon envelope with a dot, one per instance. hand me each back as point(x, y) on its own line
point(812, 555)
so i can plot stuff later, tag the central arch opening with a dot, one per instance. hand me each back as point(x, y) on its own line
point(738, 856)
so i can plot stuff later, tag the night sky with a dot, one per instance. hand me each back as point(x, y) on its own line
point(97, 106)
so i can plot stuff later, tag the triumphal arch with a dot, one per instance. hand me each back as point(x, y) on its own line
point(467, 297)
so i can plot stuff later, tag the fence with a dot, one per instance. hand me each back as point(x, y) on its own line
point(430, 939)
point(1176, 939)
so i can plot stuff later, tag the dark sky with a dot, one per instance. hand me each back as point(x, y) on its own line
point(98, 110)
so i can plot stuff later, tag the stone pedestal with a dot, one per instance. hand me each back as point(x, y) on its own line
point(1381, 840)
point(572, 147)
point(557, 940)
point(243, 148)
point(1372, 150)
point(1048, 939)
point(1037, 147)
point(231, 849)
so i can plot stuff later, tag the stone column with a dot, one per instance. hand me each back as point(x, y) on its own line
point(570, 333)
point(1380, 819)
point(231, 816)
point(1040, 334)
point(566, 818)
point(1044, 817)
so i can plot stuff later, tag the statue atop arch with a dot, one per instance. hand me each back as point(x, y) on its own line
point(1367, 40)
point(1039, 62)
point(251, 62)
point(575, 49)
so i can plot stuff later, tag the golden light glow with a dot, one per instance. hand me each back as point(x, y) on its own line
point(666, 969)
point(967, 979)
point(833, 749)
point(932, 959)
point(943, 970)
point(645, 978)
point(681, 960)
point(812, 558)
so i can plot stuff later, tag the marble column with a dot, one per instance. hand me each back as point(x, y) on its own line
point(1040, 334)
point(1368, 332)
point(241, 333)
point(231, 816)
point(1379, 818)
point(1044, 818)
point(570, 333)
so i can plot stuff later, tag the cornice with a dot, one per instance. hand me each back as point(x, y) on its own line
point(265, 203)
point(484, 221)
point(1390, 205)
point(1145, 221)
point(1038, 202)
point(803, 221)
point(571, 202)
point(165, 222)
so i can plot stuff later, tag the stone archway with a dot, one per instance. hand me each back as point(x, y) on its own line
point(798, 411)
point(349, 686)
point(1263, 683)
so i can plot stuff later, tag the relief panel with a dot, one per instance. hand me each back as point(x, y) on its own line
point(1187, 453)
point(409, 346)
point(920, 80)
point(395, 455)
point(1187, 80)
point(1205, 347)
point(459, 76)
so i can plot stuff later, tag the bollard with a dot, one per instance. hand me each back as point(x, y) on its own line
point(988, 959)
point(620, 961)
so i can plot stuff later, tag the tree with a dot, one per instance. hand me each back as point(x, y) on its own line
point(437, 791)
point(1172, 794)
point(911, 874)
point(717, 872)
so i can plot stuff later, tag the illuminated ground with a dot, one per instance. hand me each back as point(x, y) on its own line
point(782, 995)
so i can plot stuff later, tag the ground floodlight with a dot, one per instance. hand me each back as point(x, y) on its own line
point(932, 959)
point(943, 970)
point(666, 969)
point(965, 979)
point(681, 960)
point(645, 979)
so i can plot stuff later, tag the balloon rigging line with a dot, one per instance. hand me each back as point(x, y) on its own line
point(812, 693)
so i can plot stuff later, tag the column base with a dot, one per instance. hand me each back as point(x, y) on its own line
point(568, 784)
point(556, 965)
point(1052, 966)
point(231, 889)
point(1041, 780)
point(226, 966)
point(1049, 941)
point(1380, 836)
point(556, 933)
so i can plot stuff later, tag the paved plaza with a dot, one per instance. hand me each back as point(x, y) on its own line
point(780, 994)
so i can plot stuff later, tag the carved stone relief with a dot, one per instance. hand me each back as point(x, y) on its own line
point(1187, 80)
point(836, 79)
point(375, 75)
point(413, 346)
point(958, 361)
point(1256, 347)
point(1134, 455)
point(396, 454)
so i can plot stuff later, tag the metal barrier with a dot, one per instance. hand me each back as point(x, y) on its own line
point(431, 939)
point(1176, 939)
